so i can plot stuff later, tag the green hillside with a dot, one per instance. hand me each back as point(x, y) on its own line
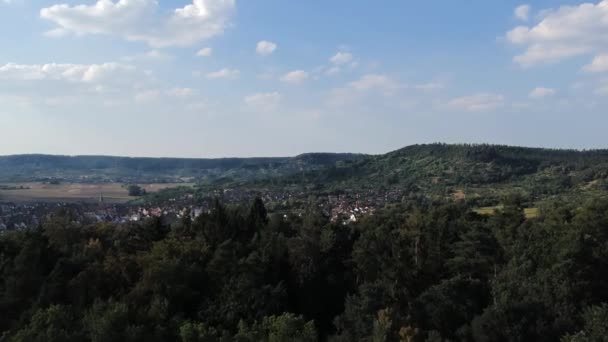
point(480, 174)
point(472, 171)
point(20, 168)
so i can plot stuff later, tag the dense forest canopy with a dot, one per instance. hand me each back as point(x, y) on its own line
point(418, 271)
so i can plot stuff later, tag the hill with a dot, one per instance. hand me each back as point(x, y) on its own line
point(95, 169)
point(476, 171)
point(480, 174)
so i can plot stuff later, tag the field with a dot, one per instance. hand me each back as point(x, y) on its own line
point(72, 192)
point(529, 212)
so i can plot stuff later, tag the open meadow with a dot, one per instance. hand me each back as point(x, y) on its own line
point(530, 213)
point(72, 192)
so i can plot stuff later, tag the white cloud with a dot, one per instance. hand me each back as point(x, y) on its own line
point(341, 58)
point(522, 12)
point(541, 92)
point(181, 93)
point(205, 52)
point(296, 76)
point(375, 82)
point(599, 64)
point(263, 101)
point(139, 20)
point(63, 72)
point(333, 70)
point(562, 33)
point(265, 48)
point(226, 74)
point(478, 102)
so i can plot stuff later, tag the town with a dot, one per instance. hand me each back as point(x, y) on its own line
point(345, 207)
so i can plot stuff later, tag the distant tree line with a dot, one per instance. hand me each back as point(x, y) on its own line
point(136, 190)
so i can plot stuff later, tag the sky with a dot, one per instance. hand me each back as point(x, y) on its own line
point(219, 78)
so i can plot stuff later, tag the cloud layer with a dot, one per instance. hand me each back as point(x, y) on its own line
point(522, 12)
point(226, 74)
point(139, 20)
point(63, 72)
point(296, 76)
point(541, 92)
point(478, 102)
point(562, 33)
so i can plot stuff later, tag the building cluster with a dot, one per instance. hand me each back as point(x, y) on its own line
point(346, 207)
point(21, 216)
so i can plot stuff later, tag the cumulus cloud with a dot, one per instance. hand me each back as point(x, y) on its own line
point(205, 52)
point(333, 70)
point(478, 102)
point(522, 12)
point(140, 20)
point(341, 58)
point(541, 92)
point(296, 76)
point(562, 33)
point(265, 48)
point(599, 64)
point(263, 101)
point(63, 72)
point(226, 74)
point(375, 82)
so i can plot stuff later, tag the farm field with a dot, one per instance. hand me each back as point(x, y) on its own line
point(529, 212)
point(73, 192)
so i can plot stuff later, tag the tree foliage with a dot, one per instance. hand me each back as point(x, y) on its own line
point(411, 272)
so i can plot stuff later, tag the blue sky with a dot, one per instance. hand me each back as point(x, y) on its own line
point(214, 78)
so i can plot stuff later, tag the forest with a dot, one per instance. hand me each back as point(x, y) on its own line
point(415, 271)
point(36, 167)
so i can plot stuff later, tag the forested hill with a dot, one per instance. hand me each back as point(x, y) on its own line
point(480, 164)
point(37, 166)
point(433, 168)
point(478, 168)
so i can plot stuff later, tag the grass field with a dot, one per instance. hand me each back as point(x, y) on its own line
point(529, 212)
point(74, 192)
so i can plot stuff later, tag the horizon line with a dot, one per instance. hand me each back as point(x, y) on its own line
point(304, 153)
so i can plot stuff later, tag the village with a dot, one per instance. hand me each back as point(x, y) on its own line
point(345, 207)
